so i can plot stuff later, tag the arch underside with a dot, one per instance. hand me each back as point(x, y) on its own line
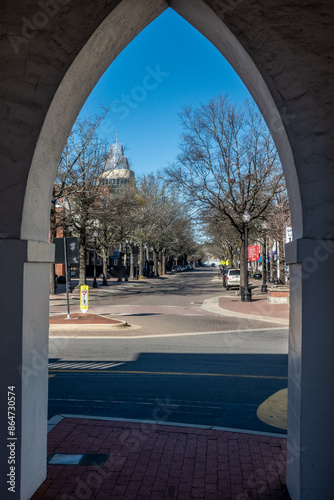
point(113, 34)
point(281, 52)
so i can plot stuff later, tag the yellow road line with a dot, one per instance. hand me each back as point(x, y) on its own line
point(172, 373)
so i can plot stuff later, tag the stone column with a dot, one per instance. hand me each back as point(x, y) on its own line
point(24, 364)
point(310, 461)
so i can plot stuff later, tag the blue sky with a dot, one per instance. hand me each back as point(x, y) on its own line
point(167, 66)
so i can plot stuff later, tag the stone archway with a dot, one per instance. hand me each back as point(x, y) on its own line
point(54, 54)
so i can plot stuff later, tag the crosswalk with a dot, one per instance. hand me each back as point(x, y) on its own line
point(82, 365)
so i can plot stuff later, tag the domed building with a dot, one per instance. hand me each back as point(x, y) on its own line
point(117, 171)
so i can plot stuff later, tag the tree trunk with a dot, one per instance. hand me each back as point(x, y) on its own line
point(132, 267)
point(105, 257)
point(155, 263)
point(163, 263)
point(52, 281)
point(82, 258)
point(141, 258)
point(147, 261)
point(125, 266)
point(230, 258)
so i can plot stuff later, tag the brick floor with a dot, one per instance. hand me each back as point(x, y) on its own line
point(155, 462)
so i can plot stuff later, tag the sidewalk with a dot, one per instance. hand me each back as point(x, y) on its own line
point(128, 460)
point(259, 308)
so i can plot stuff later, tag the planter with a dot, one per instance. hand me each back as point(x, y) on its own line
point(278, 295)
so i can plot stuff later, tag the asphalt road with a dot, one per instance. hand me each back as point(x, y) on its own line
point(168, 305)
point(205, 378)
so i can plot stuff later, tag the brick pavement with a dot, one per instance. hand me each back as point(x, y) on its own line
point(259, 306)
point(147, 461)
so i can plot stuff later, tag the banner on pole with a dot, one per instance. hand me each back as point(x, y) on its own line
point(288, 234)
point(84, 298)
point(253, 253)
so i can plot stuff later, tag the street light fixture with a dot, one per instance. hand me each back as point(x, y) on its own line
point(264, 287)
point(95, 235)
point(246, 295)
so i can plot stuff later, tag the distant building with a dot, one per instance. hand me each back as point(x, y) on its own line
point(117, 171)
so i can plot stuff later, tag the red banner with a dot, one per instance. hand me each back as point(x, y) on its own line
point(253, 253)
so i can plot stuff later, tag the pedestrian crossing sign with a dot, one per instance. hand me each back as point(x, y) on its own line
point(84, 298)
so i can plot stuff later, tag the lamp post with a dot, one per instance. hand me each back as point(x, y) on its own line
point(126, 260)
point(246, 296)
point(264, 287)
point(95, 234)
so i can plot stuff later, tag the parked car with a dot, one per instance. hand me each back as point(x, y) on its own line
point(257, 275)
point(233, 278)
point(224, 271)
point(176, 269)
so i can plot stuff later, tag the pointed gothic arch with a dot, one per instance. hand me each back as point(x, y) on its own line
point(53, 56)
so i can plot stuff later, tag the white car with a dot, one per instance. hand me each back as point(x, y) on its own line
point(232, 278)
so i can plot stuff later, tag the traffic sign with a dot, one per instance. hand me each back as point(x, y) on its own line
point(84, 298)
point(72, 250)
point(224, 262)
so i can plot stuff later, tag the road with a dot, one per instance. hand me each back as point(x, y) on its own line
point(175, 370)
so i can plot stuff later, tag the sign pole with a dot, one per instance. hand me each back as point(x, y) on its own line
point(66, 274)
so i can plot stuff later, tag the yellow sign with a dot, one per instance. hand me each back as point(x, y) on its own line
point(84, 298)
point(224, 262)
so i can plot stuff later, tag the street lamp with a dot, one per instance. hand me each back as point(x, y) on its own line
point(246, 295)
point(264, 287)
point(126, 260)
point(95, 235)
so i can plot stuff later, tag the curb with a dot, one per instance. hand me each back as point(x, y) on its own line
point(58, 418)
point(88, 326)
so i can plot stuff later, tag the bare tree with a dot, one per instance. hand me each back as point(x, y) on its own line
point(228, 163)
point(166, 220)
point(78, 181)
point(279, 217)
point(116, 219)
point(225, 239)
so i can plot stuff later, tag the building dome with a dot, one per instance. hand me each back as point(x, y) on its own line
point(116, 158)
point(117, 169)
